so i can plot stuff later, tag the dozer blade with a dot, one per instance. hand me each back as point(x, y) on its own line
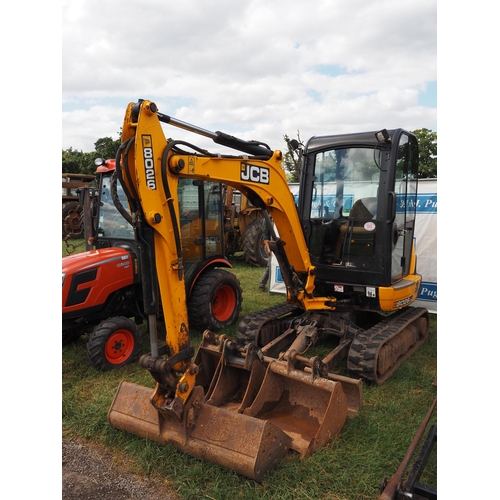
point(247, 445)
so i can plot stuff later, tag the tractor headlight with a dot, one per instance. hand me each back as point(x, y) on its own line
point(63, 278)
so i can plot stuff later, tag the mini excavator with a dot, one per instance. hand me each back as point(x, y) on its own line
point(346, 253)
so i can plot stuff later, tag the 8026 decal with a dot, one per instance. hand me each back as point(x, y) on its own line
point(403, 302)
point(149, 165)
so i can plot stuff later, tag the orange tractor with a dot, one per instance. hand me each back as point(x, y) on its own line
point(102, 288)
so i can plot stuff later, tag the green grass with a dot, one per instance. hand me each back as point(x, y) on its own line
point(369, 447)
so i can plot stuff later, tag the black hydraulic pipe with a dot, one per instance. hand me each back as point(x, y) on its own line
point(251, 147)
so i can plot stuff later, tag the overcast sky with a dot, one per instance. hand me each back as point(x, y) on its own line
point(257, 69)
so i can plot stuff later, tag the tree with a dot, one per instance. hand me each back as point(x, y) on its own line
point(292, 159)
point(427, 146)
point(78, 162)
point(75, 162)
point(106, 147)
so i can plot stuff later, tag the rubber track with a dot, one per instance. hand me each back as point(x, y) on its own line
point(363, 354)
point(249, 327)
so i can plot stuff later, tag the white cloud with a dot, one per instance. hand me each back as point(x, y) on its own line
point(251, 67)
point(83, 127)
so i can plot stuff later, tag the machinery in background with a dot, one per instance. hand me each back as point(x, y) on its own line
point(72, 222)
point(244, 228)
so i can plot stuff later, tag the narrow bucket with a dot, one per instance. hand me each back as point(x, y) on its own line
point(218, 371)
point(230, 381)
point(247, 445)
point(309, 410)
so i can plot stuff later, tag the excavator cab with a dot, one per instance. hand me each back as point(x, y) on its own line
point(357, 205)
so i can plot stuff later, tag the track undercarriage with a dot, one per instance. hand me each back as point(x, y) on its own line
point(374, 345)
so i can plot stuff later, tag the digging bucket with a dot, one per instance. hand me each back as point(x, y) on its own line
point(309, 410)
point(230, 381)
point(249, 446)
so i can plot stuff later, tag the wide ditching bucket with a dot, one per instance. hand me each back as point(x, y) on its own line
point(244, 413)
point(247, 445)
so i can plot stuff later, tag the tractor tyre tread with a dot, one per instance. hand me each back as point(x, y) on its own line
point(252, 248)
point(98, 338)
point(200, 301)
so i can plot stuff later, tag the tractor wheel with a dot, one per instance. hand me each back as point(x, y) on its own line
point(215, 301)
point(114, 342)
point(72, 222)
point(254, 251)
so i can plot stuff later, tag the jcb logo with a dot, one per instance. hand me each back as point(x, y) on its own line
point(149, 164)
point(254, 173)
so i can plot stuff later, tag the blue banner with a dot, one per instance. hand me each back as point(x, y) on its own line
point(428, 291)
point(279, 276)
point(426, 203)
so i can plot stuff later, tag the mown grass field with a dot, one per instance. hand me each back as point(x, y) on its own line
point(369, 447)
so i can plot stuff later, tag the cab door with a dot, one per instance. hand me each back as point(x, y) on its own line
point(201, 220)
point(405, 196)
